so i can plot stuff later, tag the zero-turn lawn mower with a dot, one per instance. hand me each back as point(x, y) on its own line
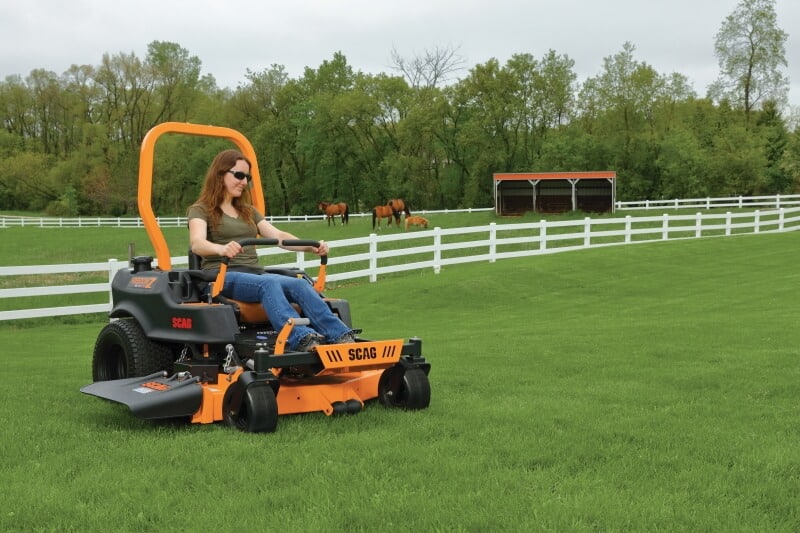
point(176, 348)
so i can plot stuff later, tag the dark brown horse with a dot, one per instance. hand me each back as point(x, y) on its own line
point(399, 205)
point(332, 210)
point(385, 211)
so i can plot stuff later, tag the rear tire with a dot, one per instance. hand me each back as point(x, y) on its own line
point(122, 350)
point(406, 388)
point(258, 412)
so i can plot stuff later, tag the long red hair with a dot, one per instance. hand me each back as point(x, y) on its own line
point(213, 192)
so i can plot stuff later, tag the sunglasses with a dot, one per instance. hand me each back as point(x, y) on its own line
point(239, 175)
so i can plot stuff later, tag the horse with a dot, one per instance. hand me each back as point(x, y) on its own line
point(399, 205)
point(384, 211)
point(416, 221)
point(332, 210)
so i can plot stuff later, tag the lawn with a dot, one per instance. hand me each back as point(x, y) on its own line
point(644, 387)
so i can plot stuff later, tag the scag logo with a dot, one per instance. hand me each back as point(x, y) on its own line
point(181, 323)
point(359, 354)
point(141, 282)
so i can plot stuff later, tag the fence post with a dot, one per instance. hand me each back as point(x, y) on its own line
point(757, 221)
point(698, 225)
point(777, 201)
point(780, 219)
point(665, 227)
point(437, 250)
point(373, 257)
point(542, 235)
point(112, 271)
point(728, 224)
point(587, 232)
point(492, 242)
point(627, 229)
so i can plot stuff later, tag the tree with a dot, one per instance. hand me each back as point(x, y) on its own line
point(751, 50)
point(430, 69)
point(176, 78)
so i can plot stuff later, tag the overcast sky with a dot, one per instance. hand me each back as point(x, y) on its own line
point(231, 36)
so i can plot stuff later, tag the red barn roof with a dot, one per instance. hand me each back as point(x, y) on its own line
point(603, 174)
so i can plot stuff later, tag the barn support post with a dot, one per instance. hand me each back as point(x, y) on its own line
point(573, 183)
point(613, 194)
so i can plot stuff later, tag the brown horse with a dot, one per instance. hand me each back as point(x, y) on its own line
point(416, 221)
point(332, 210)
point(399, 205)
point(385, 211)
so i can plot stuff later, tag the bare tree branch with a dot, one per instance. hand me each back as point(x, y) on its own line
point(431, 69)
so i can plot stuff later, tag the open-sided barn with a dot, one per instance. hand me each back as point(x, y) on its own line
point(554, 192)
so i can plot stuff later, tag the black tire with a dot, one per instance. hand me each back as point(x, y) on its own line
point(258, 412)
point(123, 351)
point(404, 388)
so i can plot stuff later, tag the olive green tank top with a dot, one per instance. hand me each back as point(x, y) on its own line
point(229, 229)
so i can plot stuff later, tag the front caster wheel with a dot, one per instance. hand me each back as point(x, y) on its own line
point(406, 388)
point(258, 412)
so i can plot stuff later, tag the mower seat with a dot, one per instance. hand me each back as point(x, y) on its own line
point(253, 312)
point(246, 312)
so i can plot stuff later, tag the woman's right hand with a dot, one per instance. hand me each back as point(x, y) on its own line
point(230, 250)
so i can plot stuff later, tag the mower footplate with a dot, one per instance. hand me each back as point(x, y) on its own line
point(152, 397)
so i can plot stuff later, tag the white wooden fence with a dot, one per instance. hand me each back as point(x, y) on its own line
point(736, 202)
point(376, 255)
point(7, 221)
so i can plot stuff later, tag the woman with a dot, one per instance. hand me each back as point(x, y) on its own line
point(223, 215)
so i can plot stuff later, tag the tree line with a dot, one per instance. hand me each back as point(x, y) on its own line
point(69, 144)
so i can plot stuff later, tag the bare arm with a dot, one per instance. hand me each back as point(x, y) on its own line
point(267, 230)
point(198, 231)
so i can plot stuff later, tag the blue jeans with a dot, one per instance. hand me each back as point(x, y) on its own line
point(276, 293)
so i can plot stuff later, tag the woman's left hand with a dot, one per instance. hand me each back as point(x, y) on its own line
point(322, 249)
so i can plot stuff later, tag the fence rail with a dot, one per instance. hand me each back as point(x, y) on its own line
point(737, 202)
point(378, 255)
point(8, 221)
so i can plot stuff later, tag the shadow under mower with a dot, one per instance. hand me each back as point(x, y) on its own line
point(176, 348)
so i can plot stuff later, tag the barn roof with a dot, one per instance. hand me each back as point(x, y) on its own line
point(506, 176)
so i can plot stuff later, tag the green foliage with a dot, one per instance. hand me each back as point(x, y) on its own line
point(335, 134)
point(65, 206)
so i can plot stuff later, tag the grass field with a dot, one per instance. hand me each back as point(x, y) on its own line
point(637, 388)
